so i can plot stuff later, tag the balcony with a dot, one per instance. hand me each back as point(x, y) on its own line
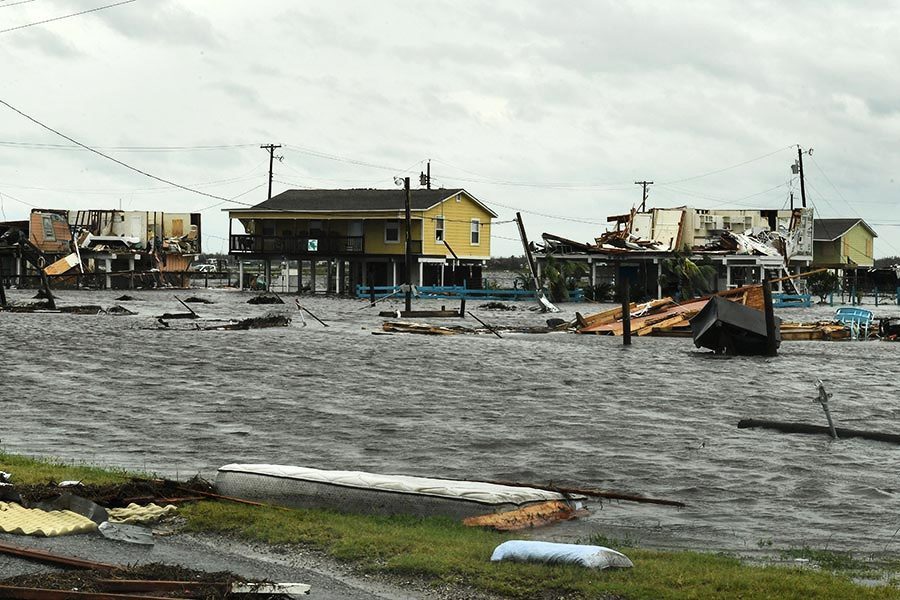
point(295, 246)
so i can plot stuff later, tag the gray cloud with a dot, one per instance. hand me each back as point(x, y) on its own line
point(47, 42)
point(161, 21)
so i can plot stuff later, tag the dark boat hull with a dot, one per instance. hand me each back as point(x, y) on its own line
point(726, 327)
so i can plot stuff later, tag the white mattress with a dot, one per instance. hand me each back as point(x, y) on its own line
point(473, 491)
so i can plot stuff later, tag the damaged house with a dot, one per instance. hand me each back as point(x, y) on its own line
point(108, 248)
point(743, 246)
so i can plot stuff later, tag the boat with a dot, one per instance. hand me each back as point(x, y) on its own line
point(727, 327)
point(373, 493)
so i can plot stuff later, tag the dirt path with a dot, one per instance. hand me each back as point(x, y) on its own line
point(329, 580)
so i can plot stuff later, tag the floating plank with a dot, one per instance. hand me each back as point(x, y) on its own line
point(805, 428)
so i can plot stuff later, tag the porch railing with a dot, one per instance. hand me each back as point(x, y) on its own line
point(295, 246)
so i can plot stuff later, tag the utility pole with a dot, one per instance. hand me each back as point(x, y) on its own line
point(802, 183)
point(408, 247)
point(644, 185)
point(271, 148)
point(425, 178)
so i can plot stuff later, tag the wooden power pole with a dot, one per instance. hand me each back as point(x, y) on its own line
point(802, 183)
point(271, 148)
point(408, 303)
point(644, 185)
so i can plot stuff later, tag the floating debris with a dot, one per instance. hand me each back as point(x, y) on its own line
point(127, 298)
point(727, 327)
point(267, 298)
point(117, 310)
point(254, 323)
point(497, 306)
point(198, 300)
point(188, 315)
point(426, 329)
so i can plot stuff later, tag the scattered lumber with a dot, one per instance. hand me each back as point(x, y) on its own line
point(54, 559)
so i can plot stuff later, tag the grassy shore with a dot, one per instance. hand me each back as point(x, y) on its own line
point(443, 551)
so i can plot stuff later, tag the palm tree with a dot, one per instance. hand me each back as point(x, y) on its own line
point(686, 276)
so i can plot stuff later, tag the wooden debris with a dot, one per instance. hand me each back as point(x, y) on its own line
point(55, 559)
point(526, 517)
point(805, 428)
point(403, 327)
point(253, 323)
point(265, 299)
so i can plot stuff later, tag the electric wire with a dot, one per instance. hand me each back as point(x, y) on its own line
point(115, 160)
point(47, 146)
point(722, 170)
point(15, 3)
point(83, 12)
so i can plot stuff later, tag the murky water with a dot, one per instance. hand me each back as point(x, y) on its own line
point(658, 418)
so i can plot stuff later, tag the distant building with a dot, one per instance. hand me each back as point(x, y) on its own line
point(360, 234)
point(745, 246)
point(103, 242)
point(843, 243)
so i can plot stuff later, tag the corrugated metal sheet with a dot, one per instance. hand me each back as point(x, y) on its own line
point(14, 518)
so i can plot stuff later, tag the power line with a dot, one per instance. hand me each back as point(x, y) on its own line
point(15, 3)
point(84, 12)
point(116, 160)
point(44, 146)
point(722, 170)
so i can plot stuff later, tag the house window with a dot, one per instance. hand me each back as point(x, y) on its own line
point(391, 232)
point(439, 229)
point(476, 232)
point(268, 228)
point(49, 233)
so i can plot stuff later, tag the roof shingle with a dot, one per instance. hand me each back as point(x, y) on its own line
point(828, 230)
point(354, 199)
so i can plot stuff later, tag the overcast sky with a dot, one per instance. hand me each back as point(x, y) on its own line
point(551, 108)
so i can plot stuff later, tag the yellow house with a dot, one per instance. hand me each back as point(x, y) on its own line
point(361, 234)
point(843, 243)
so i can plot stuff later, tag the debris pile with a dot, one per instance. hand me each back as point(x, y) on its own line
point(160, 580)
point(266, 298)
point(271, 320)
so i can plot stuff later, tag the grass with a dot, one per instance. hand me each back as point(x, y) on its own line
point(27, 470)
point(829, 560)
point(443, 551)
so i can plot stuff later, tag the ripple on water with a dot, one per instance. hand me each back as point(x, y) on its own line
point(658, 418)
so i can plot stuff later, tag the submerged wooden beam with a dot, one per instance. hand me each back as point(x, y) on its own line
point(806, 428)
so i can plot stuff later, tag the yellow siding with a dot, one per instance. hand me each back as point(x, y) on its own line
point(457, 215)
point(374, 233)
point(457, 228)
point(827, 253)
point(858, 246)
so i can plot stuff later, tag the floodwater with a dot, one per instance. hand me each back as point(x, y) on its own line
point(658, 418)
